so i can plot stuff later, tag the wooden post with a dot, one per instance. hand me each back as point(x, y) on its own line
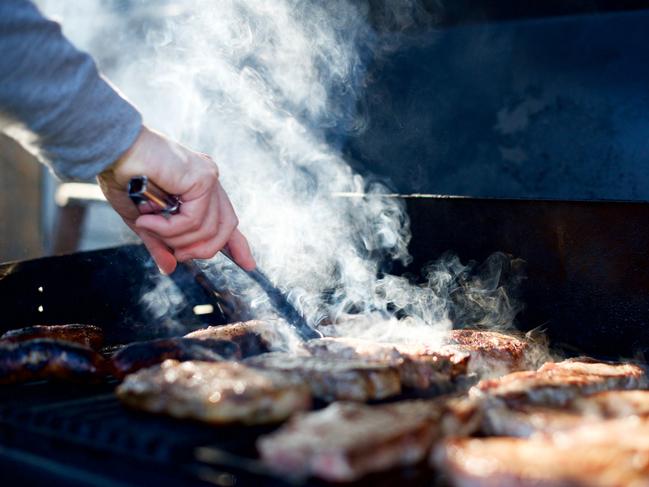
point(20, 202)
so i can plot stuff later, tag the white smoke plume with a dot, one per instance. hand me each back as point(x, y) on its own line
point(269, 88)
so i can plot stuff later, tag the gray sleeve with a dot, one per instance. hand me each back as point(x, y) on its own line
point(82, 124)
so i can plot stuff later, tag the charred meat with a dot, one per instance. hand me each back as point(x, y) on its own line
point(44, 358)
point(140, 355)
point(418, 368)
point(629, 375)
point(347, 440)
point(334, 379)
point(87, 335)
point(527, 420)
point(614, 404)
point(492, 353)
point(253, 337)
point(561, 382)
point(214, 392)
point(447, 360)
point(611, 453)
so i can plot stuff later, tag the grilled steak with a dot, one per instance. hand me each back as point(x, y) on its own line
point(216, 392)
point(527, 420)
point(492, 353)
point(347, 440)
point(140, 355)
point(607, 454)
point(451, 361)
point(630, 375)
point(417, 369)
point(559, 383)
point(332, 378)
point(44, 358)
point(614, 404)
point(253, 337)
point(88, 335)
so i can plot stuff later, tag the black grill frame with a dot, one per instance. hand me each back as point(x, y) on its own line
point(588, 263)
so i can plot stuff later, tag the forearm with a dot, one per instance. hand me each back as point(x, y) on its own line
point(82, 124)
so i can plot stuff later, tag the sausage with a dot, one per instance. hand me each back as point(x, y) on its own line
point(88, 335)
point(45, 358)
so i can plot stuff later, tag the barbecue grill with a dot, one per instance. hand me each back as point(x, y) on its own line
point(586, 288)
point(587, 275)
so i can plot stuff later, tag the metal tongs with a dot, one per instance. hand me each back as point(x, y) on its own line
point(149, 198)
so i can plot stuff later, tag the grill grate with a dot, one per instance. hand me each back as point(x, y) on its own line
point(89, 422)
point(88, 426)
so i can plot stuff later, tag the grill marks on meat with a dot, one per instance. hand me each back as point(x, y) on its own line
point(418, 368)
point(45, 358)
point(525, 421)
point(558, 383)
point(140, 355)
point(525, 403)
point(612, 453)
point(347, 440)
point(253, 337)
point(354, 349)
point(338, 379)
point(218, 392)
point(447, 360)
point(614, 404)
point(625, 372)
point(492, 353)
point(87, 335)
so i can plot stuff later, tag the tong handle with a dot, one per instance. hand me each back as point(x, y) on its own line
point(149, 198)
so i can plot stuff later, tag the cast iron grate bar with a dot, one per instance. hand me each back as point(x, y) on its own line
point(91, 419)
point(103, 421)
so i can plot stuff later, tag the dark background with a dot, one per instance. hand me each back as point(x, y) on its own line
point(497, 100)
point(510, 99)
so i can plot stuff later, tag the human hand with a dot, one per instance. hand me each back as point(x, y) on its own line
point(206, 223)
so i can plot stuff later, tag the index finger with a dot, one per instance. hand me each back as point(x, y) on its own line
point(240, 251)
point(190, 219)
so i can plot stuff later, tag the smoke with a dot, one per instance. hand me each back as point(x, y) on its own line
point(270, 88)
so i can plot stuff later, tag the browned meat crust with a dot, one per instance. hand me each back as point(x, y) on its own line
point(492, 353)
point(614, 404)
point(140, 355)
point(87, 335)
point(527, 420)
point(559, 383)
point(234, 331)
point(217, 392)
point(354, 349)
point(462, 416)
point(44, 358)
point(253, 337)
point(418, 368)
point(332, 379)
point(347, 440)
point(607, 454)
point(448, 359)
